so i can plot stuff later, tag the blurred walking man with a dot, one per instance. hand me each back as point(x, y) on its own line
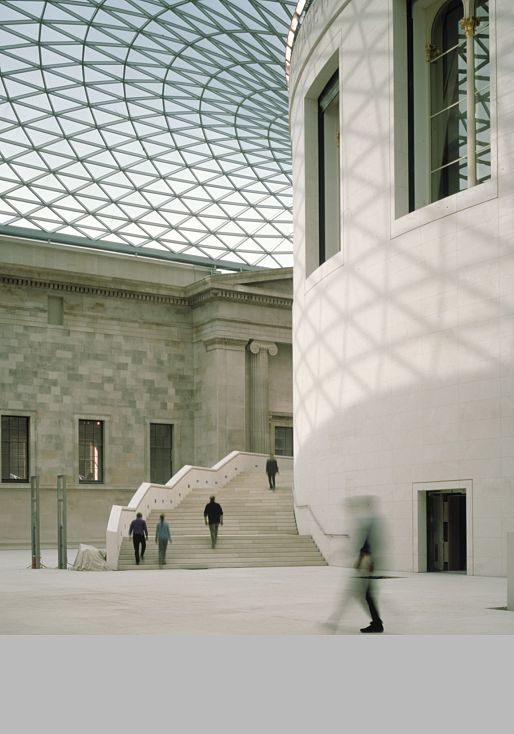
point(368, 542)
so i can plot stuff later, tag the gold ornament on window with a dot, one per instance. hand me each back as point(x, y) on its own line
point(468, 25)
point(431, 52)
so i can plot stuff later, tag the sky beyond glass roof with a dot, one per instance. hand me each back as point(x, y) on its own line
point(148, 127)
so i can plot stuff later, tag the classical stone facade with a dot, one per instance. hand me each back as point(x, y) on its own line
point(129, 343)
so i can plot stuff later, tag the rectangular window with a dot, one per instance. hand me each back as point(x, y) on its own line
point(329, 170)
point(161, 452)
point(15, 448)
point(91, 451)
point(283, 441)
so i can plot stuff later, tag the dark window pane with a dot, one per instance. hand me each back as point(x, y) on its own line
point(450, 179)
point(446, 30)
point(15, 448)
point(448, 136)
point(448, 79)
point(283, 441)
point(91, 449)
point(328, 173)
point(161, 452)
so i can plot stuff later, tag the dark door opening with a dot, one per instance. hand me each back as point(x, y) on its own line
point(446, 531)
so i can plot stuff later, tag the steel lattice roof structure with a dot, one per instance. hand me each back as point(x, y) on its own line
point(148, 127)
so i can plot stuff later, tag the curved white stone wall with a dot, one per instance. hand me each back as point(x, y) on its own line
point(404, 340)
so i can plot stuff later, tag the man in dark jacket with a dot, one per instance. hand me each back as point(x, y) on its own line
point(213, 516)
point(139, 532)
point(271, 470)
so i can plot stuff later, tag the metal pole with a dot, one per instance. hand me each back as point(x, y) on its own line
point(34, 521)
point(469, 24)
point(61, 522)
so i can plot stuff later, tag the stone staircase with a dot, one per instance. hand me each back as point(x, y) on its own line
point(259, 529)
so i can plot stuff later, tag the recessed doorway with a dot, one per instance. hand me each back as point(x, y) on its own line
point(446, 530)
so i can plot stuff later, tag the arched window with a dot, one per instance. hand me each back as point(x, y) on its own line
point(458, 55)
point(447, 115)
point(448, 137)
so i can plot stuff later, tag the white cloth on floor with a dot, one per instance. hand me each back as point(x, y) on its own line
point(89, 559)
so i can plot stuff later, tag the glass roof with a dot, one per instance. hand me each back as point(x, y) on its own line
point(148, 127)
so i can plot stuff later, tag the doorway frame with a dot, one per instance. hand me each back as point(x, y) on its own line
point(419, 520)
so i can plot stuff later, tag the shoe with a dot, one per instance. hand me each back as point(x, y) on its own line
point(373, 628)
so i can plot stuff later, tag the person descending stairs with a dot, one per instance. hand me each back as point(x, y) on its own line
point(259, 529)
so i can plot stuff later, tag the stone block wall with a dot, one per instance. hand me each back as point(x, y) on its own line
point(95, 342)
point(126, 366)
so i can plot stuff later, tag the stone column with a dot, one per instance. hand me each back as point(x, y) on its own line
point(220, 411)
point(259, 395)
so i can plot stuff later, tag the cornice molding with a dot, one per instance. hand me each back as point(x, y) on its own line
point(193, 301)
point(229, 295)
point(91, 290)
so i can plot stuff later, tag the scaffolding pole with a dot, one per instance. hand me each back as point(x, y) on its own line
point(61, 522)
point(34, 521)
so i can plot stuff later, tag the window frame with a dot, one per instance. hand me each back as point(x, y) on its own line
point(311, 259)
point(411, 204)
point(329, 169)
point(151, 449)
point(82, 479)
point(9, 417)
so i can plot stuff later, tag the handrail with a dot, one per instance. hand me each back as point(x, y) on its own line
point(320, 526)
point(150, 497)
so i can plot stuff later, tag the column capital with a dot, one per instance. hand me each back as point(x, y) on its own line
point(256, 346)
point(431, 52)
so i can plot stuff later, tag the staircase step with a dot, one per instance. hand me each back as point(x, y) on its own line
point(259, 529)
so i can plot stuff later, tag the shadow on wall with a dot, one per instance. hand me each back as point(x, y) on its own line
point(403, 347)
point(404, 373)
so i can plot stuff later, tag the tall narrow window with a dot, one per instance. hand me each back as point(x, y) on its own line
point(448, 99)
point(15, 448)
point(448, 114)
point(91, 451)
point(161, 452)
point(329, 170)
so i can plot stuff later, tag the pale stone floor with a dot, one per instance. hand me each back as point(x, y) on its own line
point(244, 651)
point(249, 601)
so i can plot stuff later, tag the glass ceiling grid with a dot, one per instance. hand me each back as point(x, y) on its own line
point(155, 128)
